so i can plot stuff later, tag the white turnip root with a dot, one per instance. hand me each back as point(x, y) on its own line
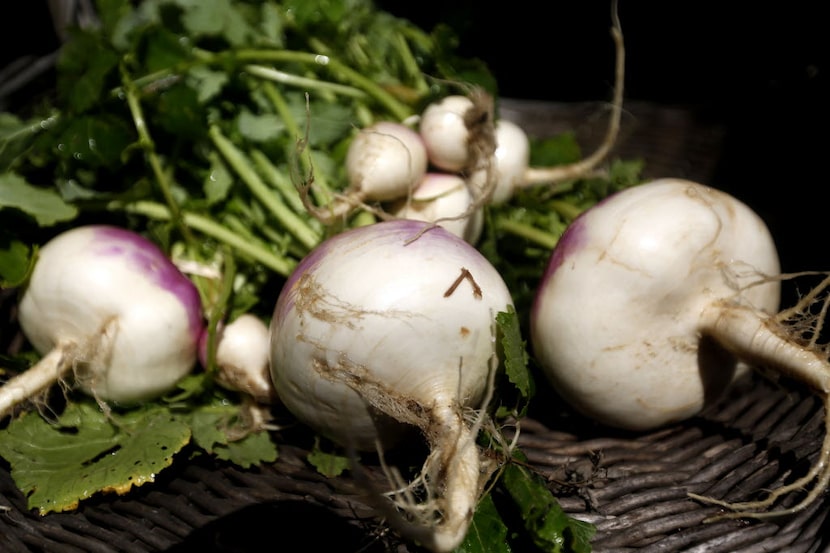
point(106, 305)
point(390, 327)
point(445, 199)
point(445, 129)
point(241, 357)
point(655, 300)
point(384, 162)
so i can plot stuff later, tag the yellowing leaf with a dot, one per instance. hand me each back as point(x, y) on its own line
point(58, 464)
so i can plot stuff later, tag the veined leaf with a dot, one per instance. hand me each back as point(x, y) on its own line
point(46, 206)
point(58, 464)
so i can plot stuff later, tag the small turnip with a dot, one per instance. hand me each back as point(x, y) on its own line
point(444, 127)
point(385, 161)
point(241, 357)
point(445, 199)
point(391, 327)
point(108, 306)
point(464, 135)
point(655, 300)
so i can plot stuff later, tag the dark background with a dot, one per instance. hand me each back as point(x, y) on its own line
point(759, 69)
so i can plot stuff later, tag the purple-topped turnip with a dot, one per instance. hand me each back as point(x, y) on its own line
point(655, 300)
point(390, 327)
point(108, 307)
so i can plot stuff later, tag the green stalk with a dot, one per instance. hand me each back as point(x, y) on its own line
point(251, 55)
point(278, 180)
point(218, 309)
point(274, 75)
point(157, 211)
point(146, 143)
point(536, 235)
point(288, 218)
point(398, 109)
point(566, 209)
point(321, 189)
point(411, 64)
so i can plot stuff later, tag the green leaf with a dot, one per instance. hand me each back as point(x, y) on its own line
point(327, 464)
point(259, 127)
point(254, 449)
point(58, 464)
point(180, 112)
point(15, 137)
point(86, 65)
point(93, 141)
point(515, 352)
point(207, 82)
point(217, 17)
point(16, 262)
point(218, 181)
point(271, 24)
point(46, 206)
point(165, 49)
point(215, 427)
point(550, 528)
point(328, 122)
point(487, 532)
point(556, 150)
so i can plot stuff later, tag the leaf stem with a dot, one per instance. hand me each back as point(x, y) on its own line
point(278, 180)
point(242, 165)
point(277, 76)
point(529, 232)
point(153, 210)
point(146, 143)
point(321, 190)
point(396, 108)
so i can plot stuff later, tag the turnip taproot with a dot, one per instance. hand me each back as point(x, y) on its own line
point(107, 305)
point(655, 299)
point(387, 327)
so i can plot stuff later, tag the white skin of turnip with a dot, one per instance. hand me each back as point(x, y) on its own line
point(107, 305)
point(391, 326)
point(655, 300)
point(443, 198)
point(444, 131)
point(242, 357)
point(510, 162)
point(385, 161)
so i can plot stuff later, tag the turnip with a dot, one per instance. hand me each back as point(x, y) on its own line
point(241, 357)
point(108, 306)
point(463, 134)
point(445, 199)
point(444, 126)
point(390, 327)
point(655, 300)
point(384, 161)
